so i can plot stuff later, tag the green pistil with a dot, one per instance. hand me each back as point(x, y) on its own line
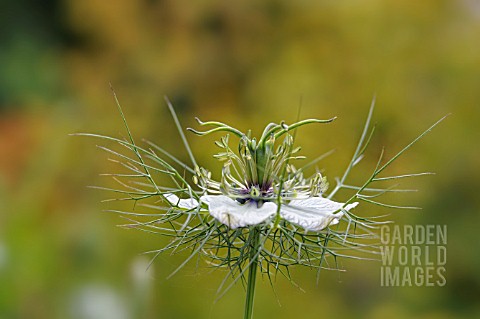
point(263, 154)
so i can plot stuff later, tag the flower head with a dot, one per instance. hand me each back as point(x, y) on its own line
point(259, 184)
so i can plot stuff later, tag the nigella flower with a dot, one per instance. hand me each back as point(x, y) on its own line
point(262, 213)
point(258, 184)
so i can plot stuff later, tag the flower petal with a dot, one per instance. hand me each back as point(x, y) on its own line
point(233, 214)
point(188, 203)
point(314, 213)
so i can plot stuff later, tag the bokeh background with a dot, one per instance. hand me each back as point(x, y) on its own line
point(242, 62)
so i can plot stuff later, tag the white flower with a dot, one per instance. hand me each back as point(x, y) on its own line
point(314, 213)
point(257, 178)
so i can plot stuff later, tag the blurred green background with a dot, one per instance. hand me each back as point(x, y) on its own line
point(246, 63)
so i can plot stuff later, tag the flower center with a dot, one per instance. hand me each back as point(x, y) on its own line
point(255, 192)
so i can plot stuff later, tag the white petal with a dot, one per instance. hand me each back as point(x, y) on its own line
point(314, 213)
point(181, 203)
point(233, 214)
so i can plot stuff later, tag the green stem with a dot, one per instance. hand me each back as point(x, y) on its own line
point(252, 273)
